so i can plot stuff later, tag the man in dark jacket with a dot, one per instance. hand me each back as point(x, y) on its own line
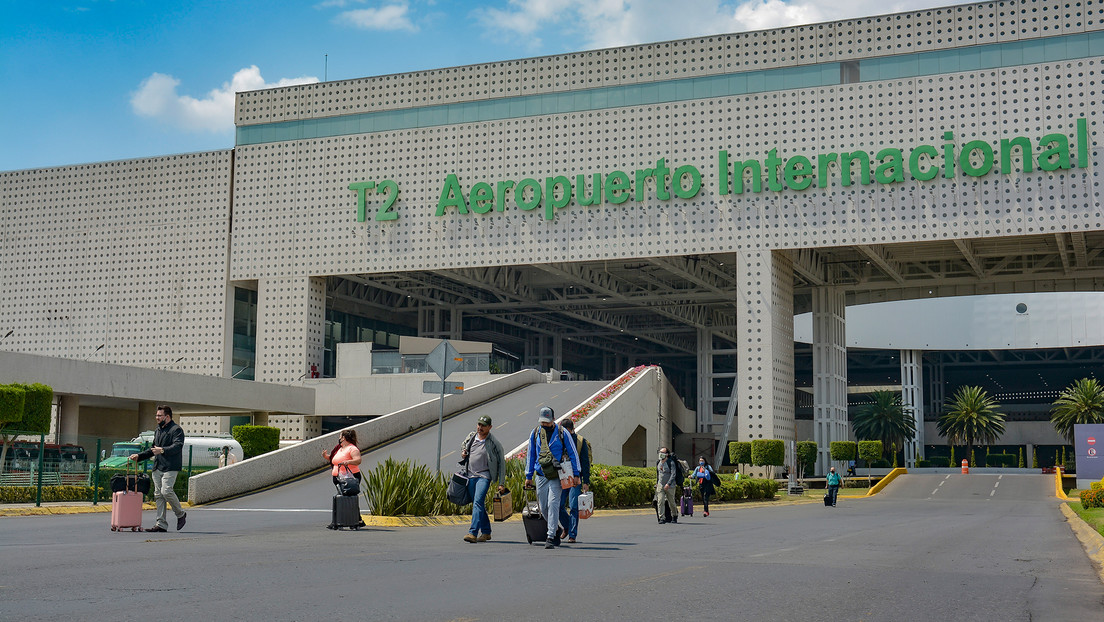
point(569, 498)
point(168, 456)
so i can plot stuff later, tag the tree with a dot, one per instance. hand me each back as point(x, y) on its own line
point(739, 453)
point(886, 420)
point(1081, 402)
point(806, 456)
point(768, 453)
point(24, 409)
point(971, 417)
point(842, 451)
point(870, 451)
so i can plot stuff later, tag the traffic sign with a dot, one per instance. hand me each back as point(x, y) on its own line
point(442, 388)
point(444, 359)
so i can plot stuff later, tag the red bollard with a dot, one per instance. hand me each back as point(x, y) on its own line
point(965, 466)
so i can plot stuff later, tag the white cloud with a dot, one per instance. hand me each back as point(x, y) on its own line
point(613, 23)
point(157, 98)
point(386, 17)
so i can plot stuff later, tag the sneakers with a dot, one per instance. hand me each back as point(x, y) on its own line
point(180, 520)
point(549, 544)
point(571, 540)
point(706, 514)
point(484, 538)
point(469, 538)
point(156, 529)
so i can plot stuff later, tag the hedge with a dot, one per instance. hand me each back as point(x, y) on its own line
point(842, 451)
point(1001, 460)
point(739, 452)
point(29, 494)
point(256, 439)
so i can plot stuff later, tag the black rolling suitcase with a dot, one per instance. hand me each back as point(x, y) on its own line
point(686, 504)
point(827, 499)
point(536, 528)
point(346, 511)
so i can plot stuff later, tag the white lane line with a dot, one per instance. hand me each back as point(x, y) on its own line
point(999, 477)
point(772, 552)
point(997, 484)
point(992, 492)
point(933, 492)
point(947, 478)
point(454, 451)
point(502, 424)
point(942, 482)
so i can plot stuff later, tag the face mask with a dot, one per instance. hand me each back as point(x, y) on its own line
point(662, 455)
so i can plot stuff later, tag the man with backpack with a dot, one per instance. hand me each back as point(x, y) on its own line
point(667, 483)
point(569, 499)
point(550, 451)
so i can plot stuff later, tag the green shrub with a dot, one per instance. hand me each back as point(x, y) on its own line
point(880, 464)
point(407, 489)
point(842, 451)
point(1092, 498)
point(922, 464)
point(256, 439)
point(12, 399)
point(37, 407)
point(1096, 486)
point(806, 456)
point(739, 453)
point(1001, 460)
point(768, 452)
point(29, 494)
point(871, 452)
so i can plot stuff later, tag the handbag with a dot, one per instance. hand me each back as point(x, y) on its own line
point(458, 490)
point(567, 480)
point(347, 484)
point(503, 505)
point(586, 504)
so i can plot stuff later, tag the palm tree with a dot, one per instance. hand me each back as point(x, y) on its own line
point(971, 416)
point(1081, 402)
point(886, 420)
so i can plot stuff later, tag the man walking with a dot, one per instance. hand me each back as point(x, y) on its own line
point(549, 449)
point(482, 454)
point(569, 498)
point(834, 481)
point(666, 485)
point(167, 453)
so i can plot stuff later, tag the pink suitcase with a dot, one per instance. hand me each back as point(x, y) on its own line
point(126, 508)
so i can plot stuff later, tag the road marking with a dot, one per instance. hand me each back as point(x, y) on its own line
point(942, 482)
point(935, 491)
point(772, 552)
point(947, 478)
point(503, 423)
point(992, 492)
point(997, 484)
point(999, 477)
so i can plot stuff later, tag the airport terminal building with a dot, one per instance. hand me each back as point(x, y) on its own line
point(672, 203)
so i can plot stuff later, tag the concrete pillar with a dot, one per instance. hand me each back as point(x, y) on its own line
point(147, 417)
point(291, 316)
point(260, 417)
point(829, 372)
point(456, 324)
point(705, 379)
point(765, 368)
point(912, 400)
point(557, 351)
point(68, 412)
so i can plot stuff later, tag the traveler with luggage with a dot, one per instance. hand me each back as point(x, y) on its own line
point(667, 510)
point(482, 456)
point(552, 459)
point(167, 452)
point(707, 480)
point(569, 499)
point(345, 460)
point(834, 481)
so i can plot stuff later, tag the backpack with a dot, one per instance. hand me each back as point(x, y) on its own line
point(550, 467)
point(681, 469)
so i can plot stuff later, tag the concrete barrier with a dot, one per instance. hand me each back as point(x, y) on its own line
point(291, 462)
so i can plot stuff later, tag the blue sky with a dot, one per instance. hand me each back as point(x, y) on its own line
point(95, 80)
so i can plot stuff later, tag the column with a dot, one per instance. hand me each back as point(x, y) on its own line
point(912, 400)
point(829, 372)
point(765, 370)
point(68, 428)
point(291, 316)
point(456, 324)
point(705, 381)
point(147, 417)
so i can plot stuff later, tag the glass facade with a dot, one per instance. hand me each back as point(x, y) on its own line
point(348, 328)
point(243, 365)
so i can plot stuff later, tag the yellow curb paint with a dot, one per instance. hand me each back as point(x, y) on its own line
point(886, 480)
point(47, 510)
point(1058, 490)
point(1091, 541)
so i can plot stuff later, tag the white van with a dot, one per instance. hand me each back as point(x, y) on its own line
point(205, 450)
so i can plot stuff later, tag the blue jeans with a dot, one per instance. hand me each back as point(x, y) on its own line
point(569, 499)
point(833, 492)
point(548, 496)
point(478, 487)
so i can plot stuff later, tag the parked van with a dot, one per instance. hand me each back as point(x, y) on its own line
point(204, 451)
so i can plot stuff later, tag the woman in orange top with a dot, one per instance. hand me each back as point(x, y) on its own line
point(346, 454)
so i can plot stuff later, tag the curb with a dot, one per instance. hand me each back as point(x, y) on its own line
point(1091, 541)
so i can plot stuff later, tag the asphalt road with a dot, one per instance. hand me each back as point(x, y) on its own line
point(513, 417)
point(929, 548)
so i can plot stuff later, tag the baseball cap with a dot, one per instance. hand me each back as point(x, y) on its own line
point(546, 414)
point(484, 420)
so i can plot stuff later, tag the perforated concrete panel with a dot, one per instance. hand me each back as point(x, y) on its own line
point(118, 262)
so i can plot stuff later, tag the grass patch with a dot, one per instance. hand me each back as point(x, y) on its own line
point(1093, 516)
